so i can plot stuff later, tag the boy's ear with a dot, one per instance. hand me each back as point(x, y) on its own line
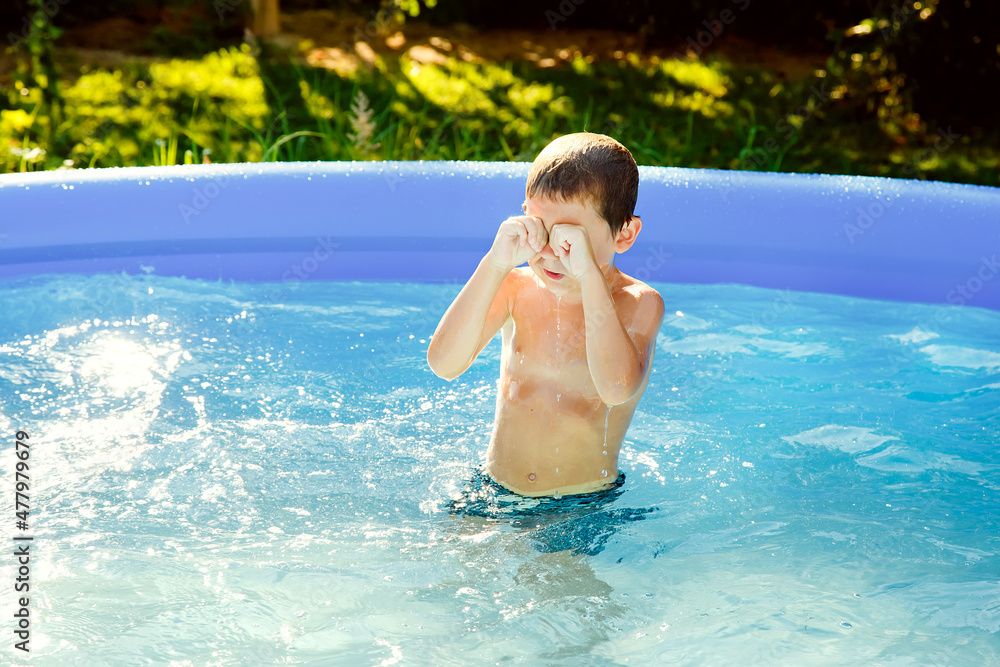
point(628, 233)
point(524, 207)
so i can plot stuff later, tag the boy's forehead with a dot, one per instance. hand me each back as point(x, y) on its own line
point(580, 206)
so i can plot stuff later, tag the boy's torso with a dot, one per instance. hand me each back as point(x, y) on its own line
point(552, 431)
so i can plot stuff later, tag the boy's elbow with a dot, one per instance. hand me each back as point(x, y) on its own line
point(445, 375)
point(617, 396)
point(434, 360)
point(441, 369)
point(622, 392)
point(437, 369)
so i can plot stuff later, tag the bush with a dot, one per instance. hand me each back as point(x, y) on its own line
point(924, 65)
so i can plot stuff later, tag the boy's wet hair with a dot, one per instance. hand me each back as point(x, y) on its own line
point(591, 167)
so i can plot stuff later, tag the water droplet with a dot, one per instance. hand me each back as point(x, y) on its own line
point(558, 337)
point(607, 416)
point(604, 473)
point(557, 495)
point(557, 469)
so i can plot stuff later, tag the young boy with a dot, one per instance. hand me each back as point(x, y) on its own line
point(578, 334)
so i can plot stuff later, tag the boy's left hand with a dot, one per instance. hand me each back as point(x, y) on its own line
point(571, 244)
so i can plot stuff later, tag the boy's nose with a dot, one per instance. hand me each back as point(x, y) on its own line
point(547, 251)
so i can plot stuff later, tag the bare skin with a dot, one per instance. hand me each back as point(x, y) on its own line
point(578, 339)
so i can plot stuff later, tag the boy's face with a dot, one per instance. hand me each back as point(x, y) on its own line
point(549, 268)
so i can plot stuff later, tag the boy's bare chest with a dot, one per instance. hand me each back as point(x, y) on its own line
point(550, 351)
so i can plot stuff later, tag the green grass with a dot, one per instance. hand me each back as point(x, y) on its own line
point(235, 106)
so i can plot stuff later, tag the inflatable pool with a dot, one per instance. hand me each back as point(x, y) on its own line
point(235, 453)
point(871, 237)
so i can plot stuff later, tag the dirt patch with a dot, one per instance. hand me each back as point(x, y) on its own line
point(344, 41)
point(118, 33)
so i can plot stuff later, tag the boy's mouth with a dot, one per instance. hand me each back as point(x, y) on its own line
point(553, 276)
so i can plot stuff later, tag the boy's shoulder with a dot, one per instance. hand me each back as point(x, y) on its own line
point(518, 283)
point(643, 302)
point(634, 287)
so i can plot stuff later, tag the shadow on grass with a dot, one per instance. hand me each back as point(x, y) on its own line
point(239, 105)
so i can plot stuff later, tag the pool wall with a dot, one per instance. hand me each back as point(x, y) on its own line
point(432, 221)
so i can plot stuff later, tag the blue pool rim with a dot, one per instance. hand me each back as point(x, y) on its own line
point(901, 240)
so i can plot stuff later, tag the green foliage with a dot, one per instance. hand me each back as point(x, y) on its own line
point(917, 65)
point(37, 65)
point(237, 105)
point(410, 7)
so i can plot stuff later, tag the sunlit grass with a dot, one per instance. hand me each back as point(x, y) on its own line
point(696, 74)
point(236, 105)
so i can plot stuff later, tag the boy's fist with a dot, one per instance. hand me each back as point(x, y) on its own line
point(519, 239)
point(571, 244)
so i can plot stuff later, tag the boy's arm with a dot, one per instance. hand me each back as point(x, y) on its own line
point(470, 322)
point(620, 337)
point(618, 355)
point(484, 304)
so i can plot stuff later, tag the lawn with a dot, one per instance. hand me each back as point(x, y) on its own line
point(448, 94)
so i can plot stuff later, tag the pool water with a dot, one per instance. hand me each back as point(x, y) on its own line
point(238, 474)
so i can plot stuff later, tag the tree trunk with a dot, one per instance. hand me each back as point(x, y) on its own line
point(266, 18)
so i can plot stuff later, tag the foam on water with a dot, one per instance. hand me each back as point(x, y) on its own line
point(248, 474)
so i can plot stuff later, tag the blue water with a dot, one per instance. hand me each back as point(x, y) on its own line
point(234, 474)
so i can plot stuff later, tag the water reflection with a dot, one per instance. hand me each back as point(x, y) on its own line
point(527, 568)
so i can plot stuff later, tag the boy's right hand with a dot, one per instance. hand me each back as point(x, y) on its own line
point(519, 239)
